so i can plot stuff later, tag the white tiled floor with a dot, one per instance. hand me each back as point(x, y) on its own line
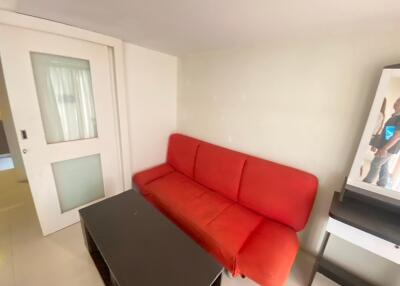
point(29, 259)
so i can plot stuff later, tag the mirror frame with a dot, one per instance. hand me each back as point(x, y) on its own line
point(354, 179)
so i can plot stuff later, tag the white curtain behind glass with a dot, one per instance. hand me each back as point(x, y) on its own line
point(65, 96)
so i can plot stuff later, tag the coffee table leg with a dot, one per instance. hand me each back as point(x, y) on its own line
point(104, 271)
point(87, 238)
point(113, 282)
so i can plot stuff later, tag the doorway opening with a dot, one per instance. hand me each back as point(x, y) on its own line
point(18, 219)
point(14, 188)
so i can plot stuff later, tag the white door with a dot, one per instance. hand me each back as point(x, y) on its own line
point(61, 96)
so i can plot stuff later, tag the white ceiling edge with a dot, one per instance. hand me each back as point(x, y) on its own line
point(188, 27)
point(9, 6)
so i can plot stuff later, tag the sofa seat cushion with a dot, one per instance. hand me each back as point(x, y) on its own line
point(186, 201)
point(149, 175)
point(230, 230)
point(219, 225)
point(203, 209)
point(173, 189)
point(269, 253)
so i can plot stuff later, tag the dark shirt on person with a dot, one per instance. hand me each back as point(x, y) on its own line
point(391, 126)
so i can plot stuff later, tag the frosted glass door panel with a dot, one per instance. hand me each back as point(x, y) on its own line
point(78, 181)
point(65, 94)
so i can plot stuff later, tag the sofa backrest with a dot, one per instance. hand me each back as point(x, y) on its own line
point(219, 169)
point(182, 152)
point(278, 192)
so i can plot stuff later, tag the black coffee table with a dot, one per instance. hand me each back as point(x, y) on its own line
point(132, 243)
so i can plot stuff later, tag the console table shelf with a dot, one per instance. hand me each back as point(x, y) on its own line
point(370, 215)
point(363, 221)
point(339, 275)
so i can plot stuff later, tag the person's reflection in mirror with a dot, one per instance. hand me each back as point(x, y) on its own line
point(376, 135)
point(386, 147)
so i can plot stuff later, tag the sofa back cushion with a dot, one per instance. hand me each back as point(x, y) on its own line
point(281, 193)
point(182, 153)
point(219, 169)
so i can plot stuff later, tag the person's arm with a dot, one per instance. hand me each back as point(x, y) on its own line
point(382, 152)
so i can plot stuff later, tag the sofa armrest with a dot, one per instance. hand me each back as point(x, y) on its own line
point(269, 253)
point(147, 176)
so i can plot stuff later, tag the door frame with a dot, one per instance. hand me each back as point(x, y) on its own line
point(116, 57)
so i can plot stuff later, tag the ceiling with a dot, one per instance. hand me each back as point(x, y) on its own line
point(182, 27)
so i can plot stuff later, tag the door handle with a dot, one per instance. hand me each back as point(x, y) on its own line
point(24, 135)
point(24, 151)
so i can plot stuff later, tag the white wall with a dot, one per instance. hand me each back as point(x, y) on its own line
point(152, 97)
point(302, 103)
point(8, 5)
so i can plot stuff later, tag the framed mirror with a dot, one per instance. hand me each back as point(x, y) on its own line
point(376, 167)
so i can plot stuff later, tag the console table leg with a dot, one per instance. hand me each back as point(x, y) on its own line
point(319, 256)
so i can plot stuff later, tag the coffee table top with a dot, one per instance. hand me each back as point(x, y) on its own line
point(143, 247)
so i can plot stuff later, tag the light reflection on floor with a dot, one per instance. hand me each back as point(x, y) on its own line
point(6, 162)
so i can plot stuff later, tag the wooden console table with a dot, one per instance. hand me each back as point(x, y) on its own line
point(363, 221)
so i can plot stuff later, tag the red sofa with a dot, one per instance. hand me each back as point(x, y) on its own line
point(243, 210)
